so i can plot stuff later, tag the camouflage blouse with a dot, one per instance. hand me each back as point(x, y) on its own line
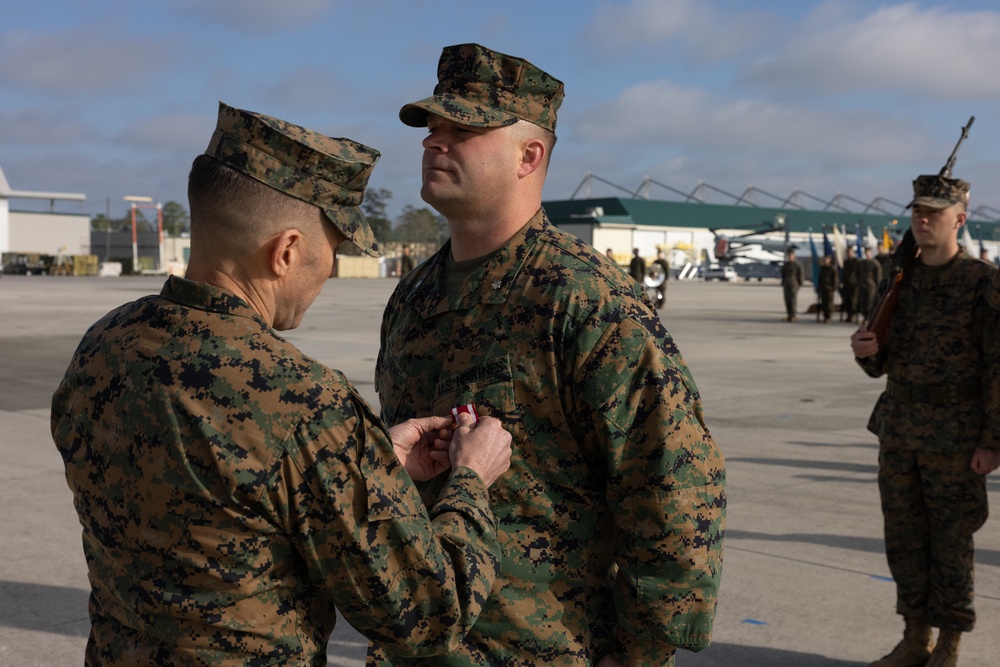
point(611, 517)
point(233, 492)
point(943, 339)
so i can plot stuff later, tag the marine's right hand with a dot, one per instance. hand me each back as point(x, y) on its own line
point(483, 446)
point(864, 343)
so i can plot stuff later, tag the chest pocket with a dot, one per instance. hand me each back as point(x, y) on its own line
point(490, 386)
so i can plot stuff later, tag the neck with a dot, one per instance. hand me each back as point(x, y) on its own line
point(257, 299)
point(939, 255)
point(477, 238)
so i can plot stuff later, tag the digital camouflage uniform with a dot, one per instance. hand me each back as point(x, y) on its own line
point(849, 288)
point(792, 277)
point(611, 516)
point(827, 289)
point(942, 401)
point(233, 492)
point(869, 278)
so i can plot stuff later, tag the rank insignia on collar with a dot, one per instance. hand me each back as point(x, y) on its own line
point(496, 284)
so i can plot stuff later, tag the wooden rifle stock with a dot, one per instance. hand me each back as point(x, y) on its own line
point(902, 263)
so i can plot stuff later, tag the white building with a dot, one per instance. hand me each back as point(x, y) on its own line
point(45, 233)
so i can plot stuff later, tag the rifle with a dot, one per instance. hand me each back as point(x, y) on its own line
point(902, 261)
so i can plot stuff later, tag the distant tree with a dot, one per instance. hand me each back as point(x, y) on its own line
point(101, 223)
point(175, 219)
point(421, 225)
point(374, 208)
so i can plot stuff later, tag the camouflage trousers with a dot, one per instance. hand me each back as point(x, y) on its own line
point(791, 299)
point(866, 298)
point(849, 300)
point(932, 503)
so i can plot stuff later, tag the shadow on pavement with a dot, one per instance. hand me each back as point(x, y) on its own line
point(44, 608)
point(731, 655)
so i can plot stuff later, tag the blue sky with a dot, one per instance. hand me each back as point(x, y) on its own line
point(112, 98)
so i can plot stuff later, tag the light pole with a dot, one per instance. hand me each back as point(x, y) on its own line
point(137, 203)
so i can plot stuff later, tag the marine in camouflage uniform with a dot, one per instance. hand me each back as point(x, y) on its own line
point(827, 287)
point(792, 277)
point(869, 279)
point(611, 518)
point(849, 287)
point(232, 491)
point(940, 411)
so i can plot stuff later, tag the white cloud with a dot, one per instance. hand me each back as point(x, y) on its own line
point(932, 53)
point(705, 31)
point(85, 60)
point(673, 117)
point(259, 15)
point(41, 126)
point(183, 133)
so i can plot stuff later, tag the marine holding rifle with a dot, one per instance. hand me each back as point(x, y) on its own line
point(938, 423)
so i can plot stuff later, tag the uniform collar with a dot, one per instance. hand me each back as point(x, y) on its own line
point(207, 297)
point(489, 284)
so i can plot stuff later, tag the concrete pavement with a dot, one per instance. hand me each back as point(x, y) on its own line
point(805, 581)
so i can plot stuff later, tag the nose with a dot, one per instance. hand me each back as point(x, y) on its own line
point(435, 140)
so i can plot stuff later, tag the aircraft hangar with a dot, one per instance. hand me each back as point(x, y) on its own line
point(684, 229)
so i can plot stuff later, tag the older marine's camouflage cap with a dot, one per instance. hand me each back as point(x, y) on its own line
point(328, 172)
point(484, 88)
point(935, 191)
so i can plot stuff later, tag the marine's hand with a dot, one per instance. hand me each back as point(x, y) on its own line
point(483, 446)
point(421, 445)
point(608, 661)
point(863, 343)
point(985, 461)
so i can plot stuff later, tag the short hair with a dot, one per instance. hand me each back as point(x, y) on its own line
point(227, 204)
point(529, 130)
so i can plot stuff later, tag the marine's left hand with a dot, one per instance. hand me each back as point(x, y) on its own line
point(985, 461)
point(421, 445)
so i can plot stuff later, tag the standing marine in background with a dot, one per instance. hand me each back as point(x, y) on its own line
point(792, 277)
point(637, 267)
point(938, 424)
point(869, 278)
point(827, 287)
point(849, 287)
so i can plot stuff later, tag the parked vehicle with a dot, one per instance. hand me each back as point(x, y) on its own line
point(723, 272)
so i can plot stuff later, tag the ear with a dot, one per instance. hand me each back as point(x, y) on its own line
point(532, 157)
point(283, 251)
point(960, 219)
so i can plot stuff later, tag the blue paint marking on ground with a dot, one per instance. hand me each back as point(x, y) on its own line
point(881, 578)
point(754, 621)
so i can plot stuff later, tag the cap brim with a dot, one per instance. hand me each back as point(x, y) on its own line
point(931, 202)
point(352, 223)
point(459, 109)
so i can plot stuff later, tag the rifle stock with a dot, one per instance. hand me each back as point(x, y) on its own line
point(902, 263)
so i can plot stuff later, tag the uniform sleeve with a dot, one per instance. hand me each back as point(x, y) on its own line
point(411, 581)
point(873, 366)
point(990, 337)
point(666, 487)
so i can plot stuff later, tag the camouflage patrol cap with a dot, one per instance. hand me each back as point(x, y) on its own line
point(935, 191)
point(484, 88)
point(328, 172)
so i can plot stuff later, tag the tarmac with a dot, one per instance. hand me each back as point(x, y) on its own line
point(805, 582)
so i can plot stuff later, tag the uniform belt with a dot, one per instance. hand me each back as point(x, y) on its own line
point(933, 393)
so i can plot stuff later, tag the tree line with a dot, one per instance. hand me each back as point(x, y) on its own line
point(413, 225)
